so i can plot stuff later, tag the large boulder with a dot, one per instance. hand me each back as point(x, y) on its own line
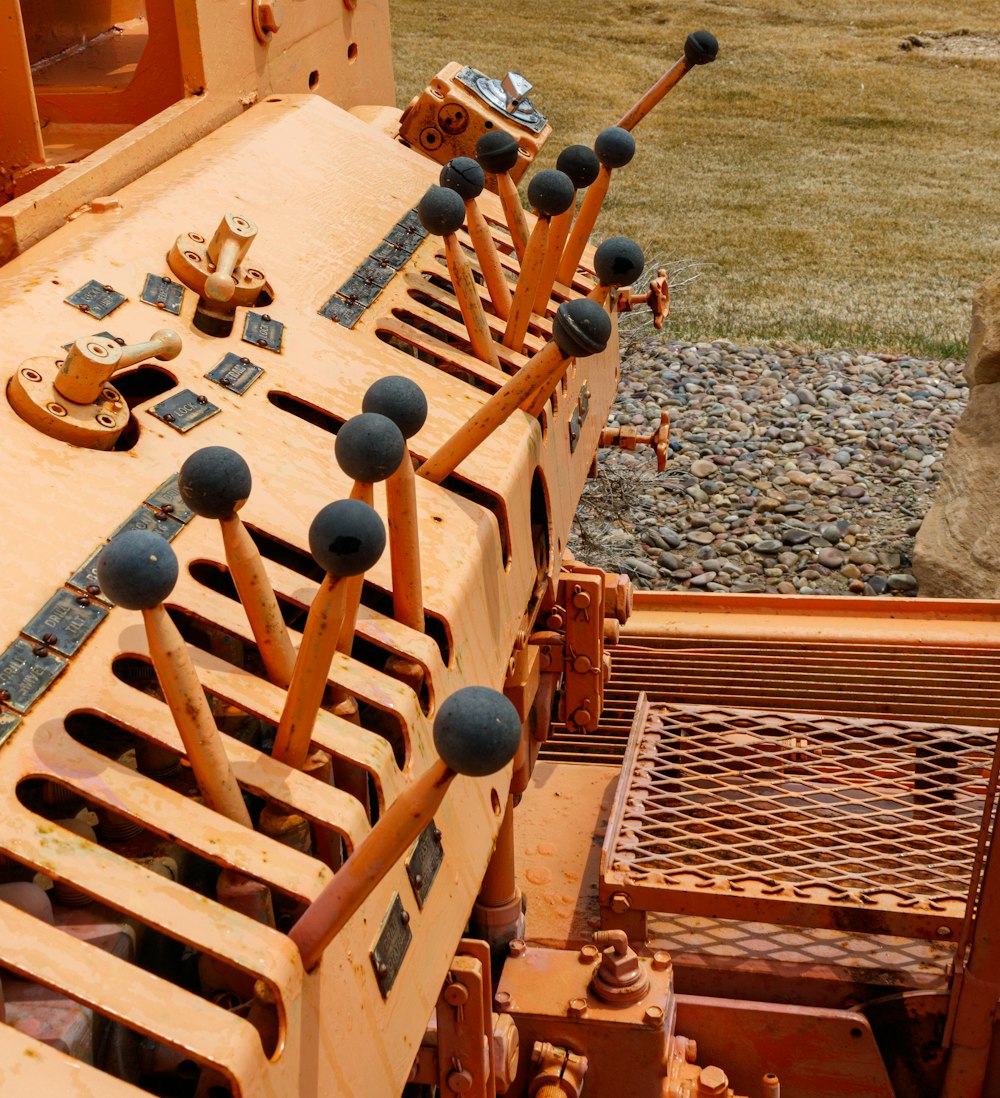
point(957, 551)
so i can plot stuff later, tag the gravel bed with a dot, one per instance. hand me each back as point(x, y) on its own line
point(789, 471)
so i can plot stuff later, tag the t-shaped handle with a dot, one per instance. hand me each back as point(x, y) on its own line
point(91, 361)
point(226, 250)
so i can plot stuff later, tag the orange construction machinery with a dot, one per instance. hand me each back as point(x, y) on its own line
point(326, 770)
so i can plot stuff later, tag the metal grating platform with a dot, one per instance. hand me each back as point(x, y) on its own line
point(801, 819)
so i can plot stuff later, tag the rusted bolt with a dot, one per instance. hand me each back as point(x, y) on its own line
point(4, 694)
point(266, 317)
point(653, 1016)
point(502, 1000)
point(31, 375)
point(56, 409)
point(589, 954)
point(944, 931)
point(105, 420)
point(661, 960)
point(168, 417)
point(620, 903)
point(459, 1082)
point(456, 995)
point(516, 947)
point(203, 400)
point(577, 1008)
point(712, 1080)
point(50, 638)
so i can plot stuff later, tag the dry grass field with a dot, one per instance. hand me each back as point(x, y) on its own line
point(817, 184)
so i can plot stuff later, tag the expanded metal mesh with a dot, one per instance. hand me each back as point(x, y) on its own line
point(812, 812)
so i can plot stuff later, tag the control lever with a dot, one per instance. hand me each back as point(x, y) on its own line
point(442, 212)
point(581, 165)
point(580, 328)
point(90, 362)
point(476, 732)
point(215, 482)
point(346, 538)
point(137, 570)
point(402, 401)
point(617, 262)
point(701, 48)
point(615, 148)
point(497, 153)
point(71, 399)
point(550, 193)
point(369, 448)
point(467, 179)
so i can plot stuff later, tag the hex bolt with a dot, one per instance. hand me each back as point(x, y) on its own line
point(661, 960)
point(516, 947)
point(620, 903)
point(501, 1001)
point(653, 1016)
point(712, 1080)
point(589, 954)
point(577, 1008)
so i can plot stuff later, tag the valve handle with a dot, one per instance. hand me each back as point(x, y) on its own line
point(226, 250)
point(91, 361)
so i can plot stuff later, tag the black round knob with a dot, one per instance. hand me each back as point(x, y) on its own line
point(701, 48)
point(463, 176)
point(441, 211)
point(580, 164)
point(581, 327)
point(399, 399)
point(477, 731)
point(615, 147)
point(551, 192)
point(346, 538)
point(618, 261)
point(137, 569)
point(214, 482)
point(496, 151)
point(369, 447)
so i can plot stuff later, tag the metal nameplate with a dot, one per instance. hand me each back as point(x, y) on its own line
point(425, 861)
point(344, 312)
point(65, 622)
point(410, 223)
point(263, 331)
point(25, 675)
point(163, 293)
point(168, 499)
point(378, 274)
point(96, 299)
point(235, 373)
point(574, 430)
point(145, 518)
point(356, 289)
point(8, 722)
point(85, 577)
point(390, 255)
point(390, 947)
point(184, 410)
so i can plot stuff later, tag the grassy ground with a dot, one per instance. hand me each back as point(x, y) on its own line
point(823, 185)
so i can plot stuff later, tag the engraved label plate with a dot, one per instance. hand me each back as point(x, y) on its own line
point(356, 289)
point(424, 862)
point(390, 255)
point(24, 677)
point(167, 498)
point(85, 577)
point(8, 722)
point(184, 410)
point(162, 292)
point(390, 948)
point(145, 518)
point(96, 299)
point(260, 330)
point(378, 274)
point(68, 620)
point(410, 222)
point(344, 312)
point(235, 373)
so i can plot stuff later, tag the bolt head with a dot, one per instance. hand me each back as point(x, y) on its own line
point(712, 1080)
point(577, 1008)
point(516, 947)
point(620, 903)
point(653, 1016)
